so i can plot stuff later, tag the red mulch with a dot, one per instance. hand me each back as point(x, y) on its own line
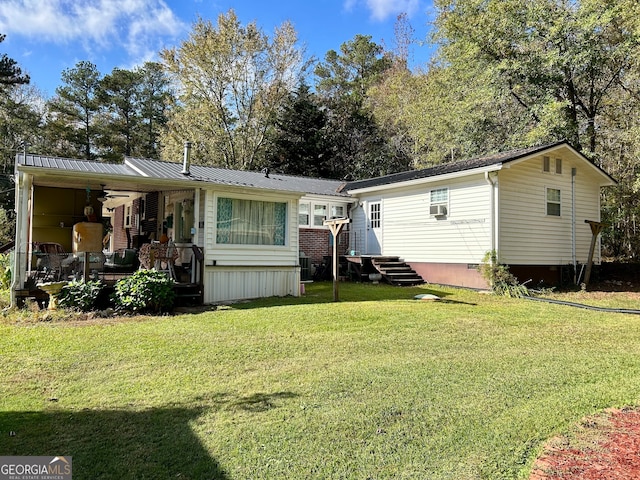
point(606, 448)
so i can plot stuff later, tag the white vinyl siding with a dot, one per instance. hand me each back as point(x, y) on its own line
point(554, 202)
point(235, 272)
point(251, 255)
point(412, 233)
point(528, 235)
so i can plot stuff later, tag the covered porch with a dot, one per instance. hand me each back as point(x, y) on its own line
point(103, 225)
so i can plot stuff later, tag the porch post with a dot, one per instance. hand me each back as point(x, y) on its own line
point(24, 184)
point(336, 226)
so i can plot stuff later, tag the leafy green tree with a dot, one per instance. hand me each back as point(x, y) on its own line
point(360, 147)
point(555, 58)
point(232, 80)
point(72, 128)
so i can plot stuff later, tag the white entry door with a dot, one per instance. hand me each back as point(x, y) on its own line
point(374, 229)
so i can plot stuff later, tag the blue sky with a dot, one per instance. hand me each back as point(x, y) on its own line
point(47, 36)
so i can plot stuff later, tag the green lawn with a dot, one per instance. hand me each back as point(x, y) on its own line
point(377, 386)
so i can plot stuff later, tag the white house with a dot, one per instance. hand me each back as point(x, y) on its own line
point(528, 205)
point(242, 234)
point(245, 224)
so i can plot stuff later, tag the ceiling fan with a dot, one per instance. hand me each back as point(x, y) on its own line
point(104, 196)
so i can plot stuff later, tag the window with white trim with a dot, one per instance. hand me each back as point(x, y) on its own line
point(375, 214)
point(319, 214)
point(439, 201)
point(304, 212)
point(128, 214)
point(337, 211)
point(553, 202)
point(250, 222)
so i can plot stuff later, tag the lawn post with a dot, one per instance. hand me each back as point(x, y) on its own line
point(336, 225)
point(596, 228)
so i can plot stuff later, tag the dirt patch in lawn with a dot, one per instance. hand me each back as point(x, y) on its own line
point(602, 447)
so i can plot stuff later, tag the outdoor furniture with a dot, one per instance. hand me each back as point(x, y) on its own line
point(123, 260)
point(161, 256)
point(52, 262)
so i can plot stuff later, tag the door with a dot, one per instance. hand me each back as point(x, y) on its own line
point(374, 228)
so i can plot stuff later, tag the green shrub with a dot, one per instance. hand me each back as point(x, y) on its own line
point(144, 291)
point(498, 276)
point(5, 271)
point(80, 295)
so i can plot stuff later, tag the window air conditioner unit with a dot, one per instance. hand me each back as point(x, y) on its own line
point(438, 210)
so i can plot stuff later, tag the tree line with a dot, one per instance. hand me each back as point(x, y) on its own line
point(505, 74)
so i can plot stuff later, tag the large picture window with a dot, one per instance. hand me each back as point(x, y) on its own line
point(251, 222)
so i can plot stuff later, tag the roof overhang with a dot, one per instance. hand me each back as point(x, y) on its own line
point(427, 180)
point(54, 177)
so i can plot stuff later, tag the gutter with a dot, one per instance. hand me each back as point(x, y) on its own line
point(493, 182)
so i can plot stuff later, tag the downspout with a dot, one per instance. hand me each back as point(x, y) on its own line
point(494, 217)
point(196, 231)
point(573, 225)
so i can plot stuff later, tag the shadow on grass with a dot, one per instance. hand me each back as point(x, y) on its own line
point(322, 292)
point(155, 443)
point(120, 444)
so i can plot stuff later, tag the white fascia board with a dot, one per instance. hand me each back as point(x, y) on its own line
point(427, 180)
point(317, 197)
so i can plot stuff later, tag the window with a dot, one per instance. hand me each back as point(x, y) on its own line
point(303, 214)
point(559, 166)
point(337, 211)
point(128, 209)
point(553, 202)
point(439, 201)
point(142, 208)
point(251, 222)
point(546, 164)
point(319, 214)
point(374, 214)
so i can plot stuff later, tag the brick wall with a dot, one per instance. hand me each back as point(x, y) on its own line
point(316, 243)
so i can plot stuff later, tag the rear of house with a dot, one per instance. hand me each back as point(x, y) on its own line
point(527, 205)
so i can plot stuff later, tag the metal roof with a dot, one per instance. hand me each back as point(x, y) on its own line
point(237, 178)
point(136, 169)
point(73, 165)
point(453, 167)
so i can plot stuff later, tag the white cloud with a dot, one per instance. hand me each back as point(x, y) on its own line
point(134, 25)
point(383, 9)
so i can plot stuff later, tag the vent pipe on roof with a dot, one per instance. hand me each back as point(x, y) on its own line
point(187, 158)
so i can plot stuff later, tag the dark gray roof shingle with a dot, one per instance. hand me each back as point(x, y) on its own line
point(479, 162)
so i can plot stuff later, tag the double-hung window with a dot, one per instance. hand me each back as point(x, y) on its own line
point(304, 214)
point(319, 214)
point(553, 202)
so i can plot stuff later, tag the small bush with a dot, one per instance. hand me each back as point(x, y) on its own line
point(80, 295)
point(5, 271)
point(498, 276)
point(144, 291)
